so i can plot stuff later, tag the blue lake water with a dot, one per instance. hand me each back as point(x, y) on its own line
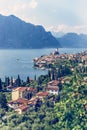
point(14, 62)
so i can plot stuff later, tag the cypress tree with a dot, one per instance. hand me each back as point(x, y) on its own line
point(28, 80)
point(0, 84)
point(11, 81)
point(7, 81)
point(3, 101)
point(49, 74)
point(18, 81)
point(35, 77)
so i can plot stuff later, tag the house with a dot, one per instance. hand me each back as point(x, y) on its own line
point(53, 83)
point(22, 92)
point(21, 105)
point(19, 102)
point(41, 95)
point(19, 92)
point(52, 89)
point(33, 101)
point(22, 109)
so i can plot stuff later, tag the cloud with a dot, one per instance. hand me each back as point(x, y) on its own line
point(65, 28)
point(57, 15)
point(58, 28)
point(33, 4)
point(24, 6)
point(17, 6)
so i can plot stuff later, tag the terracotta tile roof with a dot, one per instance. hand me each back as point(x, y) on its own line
point(33, 100)
point(21, 101)
point(22, 89)
point(56, 88)
point(53, 82)
point(23, 107)
point(43, 94)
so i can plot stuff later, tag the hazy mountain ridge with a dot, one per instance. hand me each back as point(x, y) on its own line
point(15, 33)
point(73, 40)
point(58, 34)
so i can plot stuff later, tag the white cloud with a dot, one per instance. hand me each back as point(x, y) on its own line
point(25, 6)
point(33, 4)
point(58, 28)
point(65, 28)
point(16, 7)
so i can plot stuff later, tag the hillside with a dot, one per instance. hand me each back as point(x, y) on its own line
point(15, 33)
point(73, 40)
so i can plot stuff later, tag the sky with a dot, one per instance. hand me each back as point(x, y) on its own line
point(55, 15)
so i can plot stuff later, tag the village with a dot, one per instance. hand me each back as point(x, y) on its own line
point(44, 61)
point(23, 98)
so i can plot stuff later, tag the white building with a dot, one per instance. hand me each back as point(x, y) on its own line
point(53, 89)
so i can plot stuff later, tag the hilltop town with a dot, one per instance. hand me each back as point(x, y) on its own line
point(45, 61)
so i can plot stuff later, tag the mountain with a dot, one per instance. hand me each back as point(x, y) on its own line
point(73, 40)
point(15, 33)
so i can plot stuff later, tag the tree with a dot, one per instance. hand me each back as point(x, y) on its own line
point(28, 80)
point(18, 81)
point(49, 74)
point(3, 101)
point(40, 79)
point(0, 84)
point(11, 81)
point(38, 88)
point(35, 77)
point(7, 81)
point(38, 105)
point(29, 95)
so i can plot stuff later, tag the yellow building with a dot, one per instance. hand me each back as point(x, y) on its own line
point(19, 92)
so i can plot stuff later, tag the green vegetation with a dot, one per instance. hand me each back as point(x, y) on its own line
point(71, 110)
point(34, 119)
point(68, 112)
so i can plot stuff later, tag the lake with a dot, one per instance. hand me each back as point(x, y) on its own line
point(14, 62)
